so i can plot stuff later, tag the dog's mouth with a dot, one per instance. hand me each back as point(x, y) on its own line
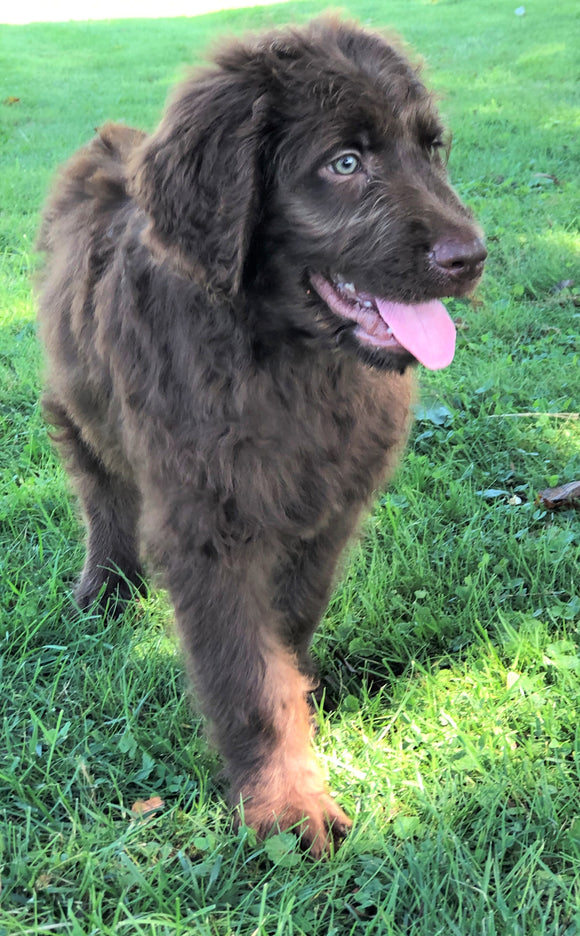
point(424, 330)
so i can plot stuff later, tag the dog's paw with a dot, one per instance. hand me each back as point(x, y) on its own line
point(108, 590)
point(313, 815)
point(321, 824)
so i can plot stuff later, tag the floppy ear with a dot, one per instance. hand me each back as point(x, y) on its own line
point(197, 179)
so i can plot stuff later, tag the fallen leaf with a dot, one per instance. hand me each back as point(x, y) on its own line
point(567, 495)
point(145, 808)
point(43, 881)
point(563, 284)
point(9, 101)
point(547, 175)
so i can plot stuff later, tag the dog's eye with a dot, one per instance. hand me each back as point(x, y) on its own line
point(347, 164)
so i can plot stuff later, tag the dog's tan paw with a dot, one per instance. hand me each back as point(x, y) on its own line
point(322, 826)
point(315, 817)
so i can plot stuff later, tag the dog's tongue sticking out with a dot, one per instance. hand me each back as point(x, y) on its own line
point(425, 329)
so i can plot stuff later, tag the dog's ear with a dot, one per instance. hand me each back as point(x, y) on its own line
point(197, 179)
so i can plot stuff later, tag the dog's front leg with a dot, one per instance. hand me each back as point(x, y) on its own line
point(251, 690)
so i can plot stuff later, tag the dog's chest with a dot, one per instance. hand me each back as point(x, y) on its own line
point(332, 442)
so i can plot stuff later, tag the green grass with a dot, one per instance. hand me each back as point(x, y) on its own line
point(449, 654)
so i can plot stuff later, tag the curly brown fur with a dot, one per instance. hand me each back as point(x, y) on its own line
point(214, 412)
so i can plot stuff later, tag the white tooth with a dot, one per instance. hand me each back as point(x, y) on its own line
point(368, 304)
point(349, 287)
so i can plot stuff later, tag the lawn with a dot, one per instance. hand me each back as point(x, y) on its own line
point(450, 723)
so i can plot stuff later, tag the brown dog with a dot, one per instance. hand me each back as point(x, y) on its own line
point(231, 310)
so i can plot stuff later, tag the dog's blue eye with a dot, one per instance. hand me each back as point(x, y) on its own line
point(346, 165)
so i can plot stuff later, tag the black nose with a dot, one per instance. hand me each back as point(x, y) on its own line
point(458, 258)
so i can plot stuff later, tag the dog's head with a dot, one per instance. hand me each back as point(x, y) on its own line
point(306, 169)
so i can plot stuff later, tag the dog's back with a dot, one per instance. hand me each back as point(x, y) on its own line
point(91, 185)
point(83, 222)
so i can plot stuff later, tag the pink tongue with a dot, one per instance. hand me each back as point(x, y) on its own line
point(426, 330)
